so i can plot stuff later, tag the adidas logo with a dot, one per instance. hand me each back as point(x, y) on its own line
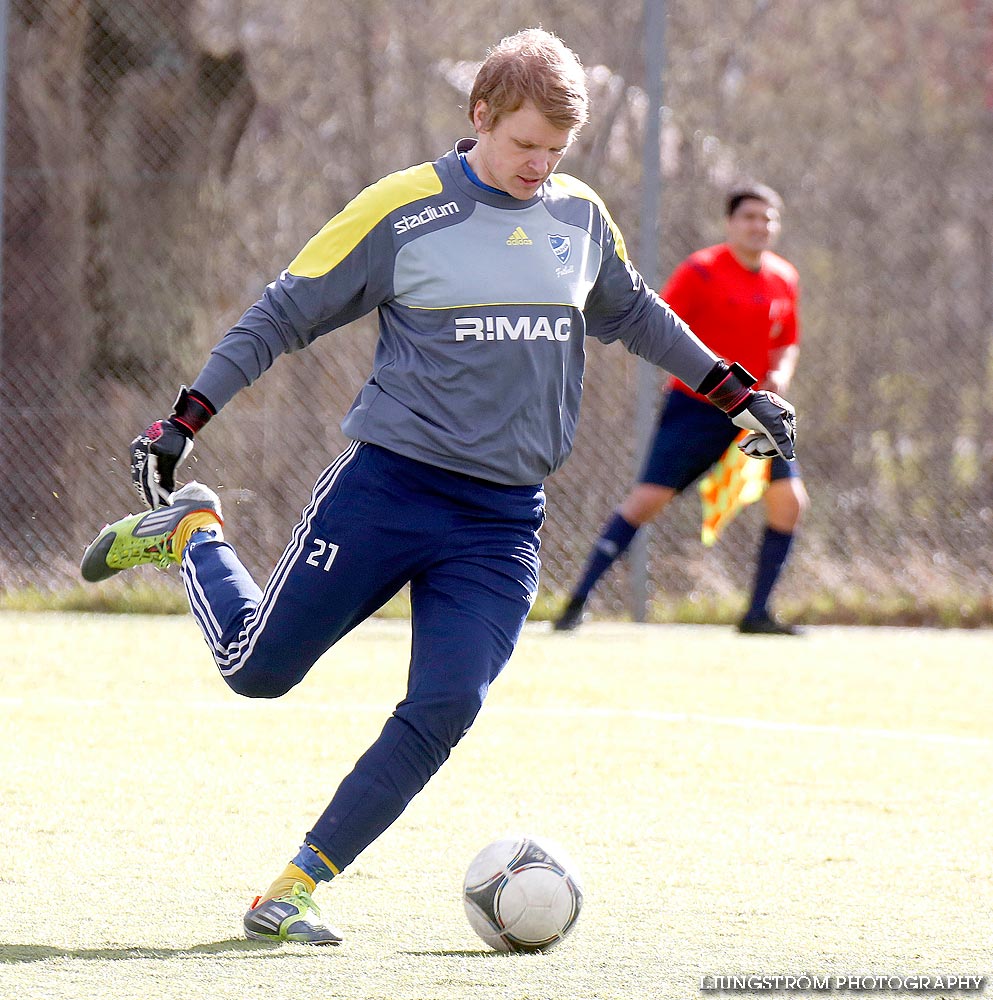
point(518, 238)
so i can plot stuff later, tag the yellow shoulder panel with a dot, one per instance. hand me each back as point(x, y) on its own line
point(357, 219)
point(577, 188)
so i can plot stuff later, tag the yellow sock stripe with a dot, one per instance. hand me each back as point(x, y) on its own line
point(324, 858)
point(189, 524)
point(283, 886)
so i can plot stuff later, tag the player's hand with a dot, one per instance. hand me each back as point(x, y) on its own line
point(162, 446)
point(155, 453)
point(773, 421)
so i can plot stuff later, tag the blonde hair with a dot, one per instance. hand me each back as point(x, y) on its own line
point(533, 65)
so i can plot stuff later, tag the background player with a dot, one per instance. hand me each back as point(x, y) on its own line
point(472, 401)
point(741, 299)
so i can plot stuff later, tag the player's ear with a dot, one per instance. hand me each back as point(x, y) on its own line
point(481, 116)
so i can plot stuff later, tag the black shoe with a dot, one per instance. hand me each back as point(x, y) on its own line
point(572, 617)
point(766, 625)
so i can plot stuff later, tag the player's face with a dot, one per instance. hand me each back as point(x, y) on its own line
point(519, 153)
point(752, 228)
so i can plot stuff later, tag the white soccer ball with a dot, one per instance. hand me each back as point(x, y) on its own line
point(522, 894)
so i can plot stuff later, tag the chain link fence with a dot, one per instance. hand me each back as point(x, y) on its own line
point(166, 158)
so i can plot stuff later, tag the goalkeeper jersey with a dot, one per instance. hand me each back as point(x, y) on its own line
point(484, 302)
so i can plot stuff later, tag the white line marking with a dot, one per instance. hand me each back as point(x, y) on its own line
point(648, 715)
point(744, 722)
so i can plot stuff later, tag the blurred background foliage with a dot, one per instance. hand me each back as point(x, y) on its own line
point(166, 158)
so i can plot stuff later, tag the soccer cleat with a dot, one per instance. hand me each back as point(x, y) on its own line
point(572, 617)
point(285, 919)
point(155, 537)
point(766, 625)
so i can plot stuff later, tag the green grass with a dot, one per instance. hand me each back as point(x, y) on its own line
point(738, 804)
point(125, 596)
point(846, 606)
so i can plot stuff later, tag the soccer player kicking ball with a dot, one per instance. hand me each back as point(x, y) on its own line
point(488, 270)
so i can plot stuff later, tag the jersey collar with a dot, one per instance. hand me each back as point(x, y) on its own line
point(465, 179)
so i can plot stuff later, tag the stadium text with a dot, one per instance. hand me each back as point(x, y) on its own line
point(429, 214)
point(804, 983)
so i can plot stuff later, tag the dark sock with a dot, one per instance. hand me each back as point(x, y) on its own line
point(772, 556)
point(610, 546)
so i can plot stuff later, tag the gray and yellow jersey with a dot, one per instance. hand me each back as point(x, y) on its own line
point(484, 302)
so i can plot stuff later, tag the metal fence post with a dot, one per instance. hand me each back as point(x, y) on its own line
point(648, 265)
point(4, 7)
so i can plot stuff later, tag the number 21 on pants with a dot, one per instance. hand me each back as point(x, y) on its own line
point(323, 554)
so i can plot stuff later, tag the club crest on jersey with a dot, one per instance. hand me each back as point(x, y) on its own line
point(561, 247)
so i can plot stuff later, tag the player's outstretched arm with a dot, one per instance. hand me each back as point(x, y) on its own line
point(163, 445)
point(770, 417)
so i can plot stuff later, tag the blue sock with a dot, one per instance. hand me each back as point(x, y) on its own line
point(772, 557)
point(610, 546)
point(310, 861)
point(201, 535)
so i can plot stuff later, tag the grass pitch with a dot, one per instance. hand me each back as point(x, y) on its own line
point(821, 805)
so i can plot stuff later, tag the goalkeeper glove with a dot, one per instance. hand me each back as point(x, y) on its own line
point(157, 451)
point(770, 417)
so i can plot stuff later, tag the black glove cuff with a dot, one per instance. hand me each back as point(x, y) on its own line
point(191, 411)
point(729, 389)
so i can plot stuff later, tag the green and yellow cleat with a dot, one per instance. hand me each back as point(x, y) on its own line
point(285, 918)
point(156, 537)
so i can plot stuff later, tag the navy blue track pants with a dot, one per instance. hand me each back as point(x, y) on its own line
point(376, 521)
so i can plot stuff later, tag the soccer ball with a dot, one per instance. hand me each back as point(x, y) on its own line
point(522, 894)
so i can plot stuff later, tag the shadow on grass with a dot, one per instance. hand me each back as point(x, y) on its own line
point(465, 953)
point(18, 954)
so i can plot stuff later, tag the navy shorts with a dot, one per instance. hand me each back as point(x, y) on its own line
point(691, 437)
